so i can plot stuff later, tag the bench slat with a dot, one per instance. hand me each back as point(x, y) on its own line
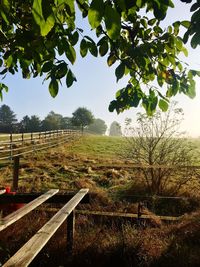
point(27, 253)
point(16, 215)
point(2, 191)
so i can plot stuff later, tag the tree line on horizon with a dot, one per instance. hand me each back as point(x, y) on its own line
point(82, 119)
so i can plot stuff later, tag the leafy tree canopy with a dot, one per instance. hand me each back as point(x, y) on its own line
point(82, 117)
point(52, 121)
point(39, 37)
point(30, 124)
point(115, 129)
point(98, 126)
point(7, 119)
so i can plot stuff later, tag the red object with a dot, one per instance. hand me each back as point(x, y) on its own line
point(7, 189)
point(10, 207)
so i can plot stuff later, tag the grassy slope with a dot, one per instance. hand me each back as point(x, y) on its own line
point(99, 146)
point(98, 242)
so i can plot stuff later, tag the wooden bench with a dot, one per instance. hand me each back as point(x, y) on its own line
point(18, 214)
point(24, 256)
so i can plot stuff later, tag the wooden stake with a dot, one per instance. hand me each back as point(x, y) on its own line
point(15, 172)
point(70, 231)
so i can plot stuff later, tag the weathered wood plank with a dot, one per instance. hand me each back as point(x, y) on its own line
point(13, 217)
point(126, 215)
point(2, 191)
point(27, 253)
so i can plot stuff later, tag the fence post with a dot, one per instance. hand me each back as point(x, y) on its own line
point(15, 172)
point(70, 231)
point(11, 146)
point(22, 138)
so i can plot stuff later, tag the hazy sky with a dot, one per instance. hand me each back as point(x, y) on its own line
point(95, 88)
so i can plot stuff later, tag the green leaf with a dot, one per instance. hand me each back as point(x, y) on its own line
point(113, 22)
point(83, 48)
point(191, 89)
point(195, 72)
point(119, 71)
point(111, 60)
point(37, 12)
point(70, 52)
point(186, 24)
point(9, 61)
point(74, 38)
point(112, 106)
point(45, 26)
point(103, 49)
point(194, 7)
point(61, 70)
point(6, 4)
point(185, 52)
point(71, 6)
point(139, 3)
point(3, 87)
point(53, 87)
point(159, 10)
point(95, 13)
point(93, 49)
point(151, 22)
point(163, 105)
point(150, 102)
point(179, 43)
point(70, 78)
point(121, 4)
point(195, 40)
point(47, 66)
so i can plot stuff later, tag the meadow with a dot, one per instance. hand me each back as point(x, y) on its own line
point(97, 163)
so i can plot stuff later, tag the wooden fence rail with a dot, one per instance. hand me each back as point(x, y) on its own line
point(19, 144)
point(25, 255)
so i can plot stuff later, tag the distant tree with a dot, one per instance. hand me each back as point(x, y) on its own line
point(35, 124)
point(115, 129)
point(30, 124)
point(24, 124)
point(8, 119)
point(98, 126)
point(156, 142)
point(66, 123)
point(52, 121)
point(82, 117)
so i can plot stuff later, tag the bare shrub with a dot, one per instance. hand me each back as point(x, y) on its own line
point(160, 151)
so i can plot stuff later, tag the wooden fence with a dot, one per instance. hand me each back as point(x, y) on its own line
point(13, 145)
point(25, 255)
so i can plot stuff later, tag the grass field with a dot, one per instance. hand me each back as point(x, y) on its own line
point(96, 162)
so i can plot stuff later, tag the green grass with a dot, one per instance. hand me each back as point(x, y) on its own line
point(99, 146)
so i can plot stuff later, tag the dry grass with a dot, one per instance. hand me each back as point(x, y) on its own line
point(101, 241)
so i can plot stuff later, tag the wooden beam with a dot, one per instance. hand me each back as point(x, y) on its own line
point(127, 215)
point(24, 256)
point(16, 215)
point(27, 197)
